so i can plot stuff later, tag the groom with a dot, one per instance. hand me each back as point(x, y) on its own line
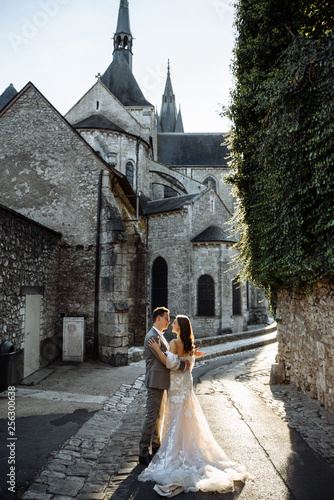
point(157, 381)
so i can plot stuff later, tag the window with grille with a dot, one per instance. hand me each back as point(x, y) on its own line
point(236, 297)
point(206, 296)
point(129, 173)
point(159, 283)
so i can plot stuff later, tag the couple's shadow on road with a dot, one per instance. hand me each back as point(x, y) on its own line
point(132, 489)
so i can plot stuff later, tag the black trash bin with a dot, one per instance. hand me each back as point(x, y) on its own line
point(11, 365)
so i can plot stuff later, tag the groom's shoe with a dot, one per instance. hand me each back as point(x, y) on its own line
point(145, 460)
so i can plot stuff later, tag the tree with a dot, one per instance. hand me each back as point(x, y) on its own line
point(283, 141)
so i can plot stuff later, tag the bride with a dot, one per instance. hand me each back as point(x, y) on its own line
point(189, 458)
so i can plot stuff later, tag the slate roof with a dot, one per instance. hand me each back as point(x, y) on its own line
point(119, 79)
point(213, 233)
point(170, 204)
point(177, 149)
point(98, 121)
point(123, 23)
point(7, 95)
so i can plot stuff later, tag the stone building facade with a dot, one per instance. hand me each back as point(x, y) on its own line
point(29, 262)
point(185, 232)
point(51, 175)
point(141, 207)
point(305, 337)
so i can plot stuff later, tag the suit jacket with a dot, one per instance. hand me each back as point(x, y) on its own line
point(157, 375)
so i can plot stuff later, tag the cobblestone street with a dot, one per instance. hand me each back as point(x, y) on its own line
point(100, 461)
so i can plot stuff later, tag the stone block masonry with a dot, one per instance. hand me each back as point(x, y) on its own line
point(29, 259)
point(306, 341)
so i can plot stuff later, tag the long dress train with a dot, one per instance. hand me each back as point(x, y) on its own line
point(189, 458)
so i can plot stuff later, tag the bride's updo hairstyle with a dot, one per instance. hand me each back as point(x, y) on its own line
point(186, 333)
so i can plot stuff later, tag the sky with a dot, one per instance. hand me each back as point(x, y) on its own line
point(61, 45)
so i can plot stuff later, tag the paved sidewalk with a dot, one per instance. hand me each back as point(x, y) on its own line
point(95, 463)
point(221, 345)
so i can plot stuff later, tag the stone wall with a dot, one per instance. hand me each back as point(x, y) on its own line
point(29, 259)
point(169, 236)
point(51, 175)
point(305, 336)
point(217, 173)
point(77, 288)
point(122, 298)
point(118, 149)
point(48, 172)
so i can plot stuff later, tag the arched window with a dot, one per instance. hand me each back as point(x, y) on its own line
point(206, 296)
point(236, 297)
point(159, 283)
point(210, 182)
point(129, 173)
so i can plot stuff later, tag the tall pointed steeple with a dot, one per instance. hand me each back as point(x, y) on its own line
point(123, 37)
point(179, 123)
point(118, 77)
point(169, 119)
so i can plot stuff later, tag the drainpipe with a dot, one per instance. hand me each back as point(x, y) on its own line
point(97, 270)
point(137, 178)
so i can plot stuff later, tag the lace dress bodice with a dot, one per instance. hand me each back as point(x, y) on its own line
point(189, 458)
point(181, 383)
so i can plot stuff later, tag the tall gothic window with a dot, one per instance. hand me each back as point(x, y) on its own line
point(206, 296)
point(129, 173)
point(159, 283)
point(236, 297)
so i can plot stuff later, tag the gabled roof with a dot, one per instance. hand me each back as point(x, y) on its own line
point(7, 95)
point(99, 122)
point(119, 79)
point(177, 149)
point(212, 234)
point(123, 181)
point(170, 204)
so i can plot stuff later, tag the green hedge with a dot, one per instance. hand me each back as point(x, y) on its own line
point(283, 144)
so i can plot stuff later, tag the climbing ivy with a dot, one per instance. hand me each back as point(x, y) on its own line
point(282, 141)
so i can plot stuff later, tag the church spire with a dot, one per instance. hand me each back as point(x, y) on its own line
point(179, 122)
point(118, 77)
point(168, 113)
point(123, 37)
point(170, 120)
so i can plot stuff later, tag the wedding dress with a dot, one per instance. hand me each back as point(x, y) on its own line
point(189, 458)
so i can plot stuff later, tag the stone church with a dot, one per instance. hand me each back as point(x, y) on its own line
point(108, 212)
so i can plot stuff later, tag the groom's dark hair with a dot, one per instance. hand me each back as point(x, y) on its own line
point(159, 311)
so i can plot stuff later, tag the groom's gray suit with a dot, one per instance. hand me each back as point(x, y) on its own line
point(157, 380)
